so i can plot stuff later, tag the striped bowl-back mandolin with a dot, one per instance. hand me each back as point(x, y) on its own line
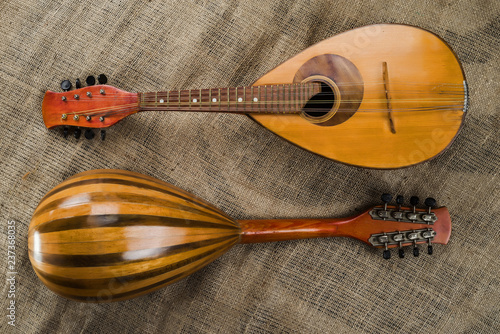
point(109, 235)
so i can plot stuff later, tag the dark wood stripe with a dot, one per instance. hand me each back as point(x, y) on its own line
point(126, 173)
point(121, 258)
point(119, 220)
point(127, 183)
point(126, 198)
point(105, 283)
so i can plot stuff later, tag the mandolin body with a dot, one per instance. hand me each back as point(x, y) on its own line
point(426, 91)
point(111, 235)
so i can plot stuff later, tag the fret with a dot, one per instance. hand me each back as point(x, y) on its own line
point(284, 98)
point(272, 99)
point(168, 98)
point(179, 98)
point(228, 101)
point(210, 99)
point(156, 99)
point(258, 104)
point(301, 89)
point(244, 99)
point(236, 97)
point(219, 99)
point(190, 99)
point(295, 97)
point(201, 104)
point(252, 99)
point(289, 99)
point(265, 88)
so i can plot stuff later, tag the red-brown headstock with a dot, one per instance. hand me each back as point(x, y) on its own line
point(389, 226)
point(91, 107)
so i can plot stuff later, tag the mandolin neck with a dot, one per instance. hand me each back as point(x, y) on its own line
point(268, 230)
point(283, 99)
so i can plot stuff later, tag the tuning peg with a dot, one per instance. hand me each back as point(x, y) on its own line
point(430, 203)
point(384, 214)
point(90, 80)
point(78, 84)
point(65, 132)
point(78, 133)
point(400, 200)
point(385, 240)
point(414, 200)
point(103, 135)
point(429, 249)
point(66, 85)
point(416, 250)
point(89, 134)
point(401, 253)
point(387, 254)
point(102, 79)
point(386, 198)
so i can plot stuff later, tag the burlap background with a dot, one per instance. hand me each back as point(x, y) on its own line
point(312, 286)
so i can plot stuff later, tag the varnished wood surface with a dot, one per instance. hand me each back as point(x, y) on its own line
point(359, 227)
point(422, 70)
point(398, 98)
point(109, 235)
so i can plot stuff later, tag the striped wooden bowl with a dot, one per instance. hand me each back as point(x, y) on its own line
point(109, 235)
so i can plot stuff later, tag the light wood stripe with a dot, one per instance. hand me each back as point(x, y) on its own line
point(119, 229)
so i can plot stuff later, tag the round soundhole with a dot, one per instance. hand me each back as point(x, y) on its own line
point(320, 104)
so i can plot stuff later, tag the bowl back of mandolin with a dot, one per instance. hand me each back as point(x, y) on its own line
point(109, 235)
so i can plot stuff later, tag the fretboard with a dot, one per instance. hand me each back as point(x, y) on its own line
point(287, 98)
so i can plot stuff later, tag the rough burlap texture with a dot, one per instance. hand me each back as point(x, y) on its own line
point(333, 285)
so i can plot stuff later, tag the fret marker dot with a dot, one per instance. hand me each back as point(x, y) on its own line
point(214, 100)
point(240, 99)
point(161, 100)
point(255, 99)
point(195, 100)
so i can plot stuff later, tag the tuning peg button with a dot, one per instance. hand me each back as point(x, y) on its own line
point(103, 135)
point(66, 85)
point(78, 133)
point(401, 253)
point(387, 254)
point(414, 200)
point(102, 79)
point(78, 84)
point(429, 250)
point(431, 202)
point(90, 80)
point(416, 251)
point(89, 134)
point(65, 132)
point(386, 198)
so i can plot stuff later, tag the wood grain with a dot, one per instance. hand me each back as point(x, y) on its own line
point(399, 98)
point(109, 235)
point(423, 71)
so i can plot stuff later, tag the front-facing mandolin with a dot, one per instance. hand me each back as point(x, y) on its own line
point(380, 96)
point(109, 235)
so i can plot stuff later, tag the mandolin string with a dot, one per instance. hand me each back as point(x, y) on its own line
point(119, 111)
point(294, 90)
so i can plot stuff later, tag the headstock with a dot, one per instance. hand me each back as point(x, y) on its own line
point(390, 226)
point(94, 106)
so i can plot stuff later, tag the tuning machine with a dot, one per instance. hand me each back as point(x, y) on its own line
point(66, 85)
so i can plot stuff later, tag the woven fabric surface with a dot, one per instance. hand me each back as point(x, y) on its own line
point(310, 286)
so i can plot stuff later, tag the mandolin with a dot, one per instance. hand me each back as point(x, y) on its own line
point(380, 96)
point(109, 235)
